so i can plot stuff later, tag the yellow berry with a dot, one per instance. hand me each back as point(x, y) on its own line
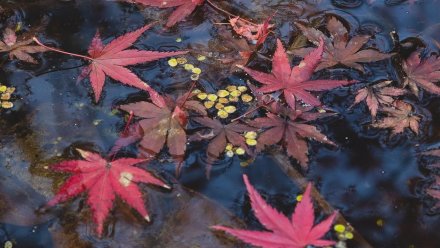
point(233, 98)
point(196, 70)
point(178, 39)
point(339, 228)
point(236, 93)
point(7, 105)
point(250, 135)
point(202, 95)
point(230, 154)
point(195, 77)
point(230, 109)
point(3, 88)
point(240, 151)
point(196, 91)
point(222, 114)
point(181, 60)
point(246, 98)
point(231, 88)
point(201, 57)
point(5, 96)
point(321, 111)
point(209, 104)
point(188, 67)
point(223, 100)
point(349, 235)
point(299, 198)
point(212, 97)
point(242, 88)
point(251, 142)
point(10, 90)
point(379, 222)
point(244, 164)
point(229, 147)
point(219, 106)
point(222, 93)
point(172, 62)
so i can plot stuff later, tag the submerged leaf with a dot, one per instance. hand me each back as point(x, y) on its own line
point(423, 74)
point(399, 117)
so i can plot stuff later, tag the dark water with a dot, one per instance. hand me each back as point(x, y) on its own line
point(370, 177)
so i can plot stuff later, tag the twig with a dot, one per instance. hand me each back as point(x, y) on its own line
point(284, 163)
point(227, 12)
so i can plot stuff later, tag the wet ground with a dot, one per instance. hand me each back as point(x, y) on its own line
point(376, 181)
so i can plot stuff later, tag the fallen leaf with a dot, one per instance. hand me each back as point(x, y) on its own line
point(399, 117)
point(183, 8)
point(255, 33)
point(104, 180)
point(423, 74)
point(297, 232)
point(112, 58)
point(339, 49)
point(19, 47)
point(295, 82)
point(286, 127)
point(378, 95)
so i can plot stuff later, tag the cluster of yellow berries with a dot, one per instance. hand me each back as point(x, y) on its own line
point(5, 96)
point(223, 97)
point(251, 138)
point(173, 62)
point(344, 232)
point(230, 150)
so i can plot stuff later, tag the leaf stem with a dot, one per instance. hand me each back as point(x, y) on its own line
point(227, 12)
point(61, 51)
point(252, 110)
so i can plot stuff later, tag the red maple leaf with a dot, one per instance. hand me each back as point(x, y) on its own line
point(286, 127)
point(380, 94)
point(296, 232)
point(422, 73)
point(183, 8)
point(164, 124)
point(255, 33)
point(104, 180)
point(295, 82)
point(399, 117)
point(112, 58)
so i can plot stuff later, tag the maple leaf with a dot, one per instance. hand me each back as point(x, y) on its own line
point(296, 232)
point(221, 134)
point(294, 82)
point(422, 73)
point(339, 49)
point(286, 126)
point(378, 95)
point(19, 47)
point(164, 124)
point(112, 58)
point(399, 117)
point(103, 180)
point(183, 8)
point(434, 189)
point(255, 33)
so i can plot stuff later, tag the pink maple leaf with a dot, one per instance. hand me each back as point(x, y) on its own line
point(296, 232)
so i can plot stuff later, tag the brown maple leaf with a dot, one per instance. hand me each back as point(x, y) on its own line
point(255, 33)
point(399, 117)
point(221, 134)
point(339, 49)
point(290, 129)
point(378, 95)
point(423, 74)
point(19, 47)
point(164, 124)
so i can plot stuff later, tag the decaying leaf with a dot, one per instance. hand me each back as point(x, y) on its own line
point(295, 82)
point(104, 180)
point(255, 33)
point(164, 124)
point(297, 232)
point(378, 95)
point(290, 129)
point(19, 47)
point(423, 74)
point(183, 8)
point(399, 117)
point(339, 48)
